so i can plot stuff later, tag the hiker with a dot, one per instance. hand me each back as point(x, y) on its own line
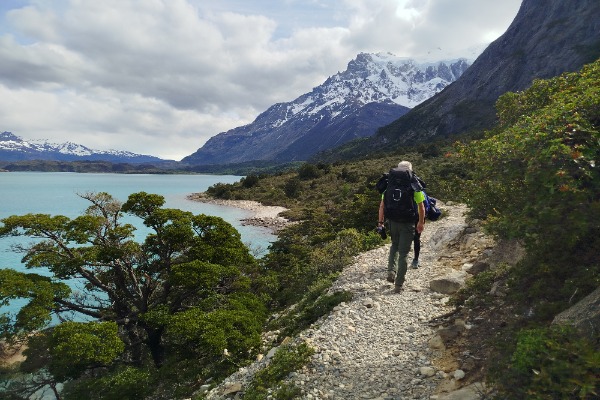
point(417, 235)
point(417, 242)
point(401, 203)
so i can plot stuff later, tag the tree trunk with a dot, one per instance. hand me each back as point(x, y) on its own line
point(156, 347)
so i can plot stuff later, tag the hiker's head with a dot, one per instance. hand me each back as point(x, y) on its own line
point(405, 165)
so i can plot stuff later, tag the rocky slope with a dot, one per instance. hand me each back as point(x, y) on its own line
point(373, 91)
point(383, 345)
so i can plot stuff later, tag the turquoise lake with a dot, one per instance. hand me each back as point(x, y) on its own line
point(56, 193)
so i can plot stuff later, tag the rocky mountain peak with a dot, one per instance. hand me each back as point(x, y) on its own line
point(374, 90)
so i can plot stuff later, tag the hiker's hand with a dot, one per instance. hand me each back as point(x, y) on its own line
point(420, 226)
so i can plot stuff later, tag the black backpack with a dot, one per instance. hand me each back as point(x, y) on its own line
point(398, 198)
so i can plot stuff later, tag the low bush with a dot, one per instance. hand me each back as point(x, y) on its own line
point(549, 363)
point(268, 381)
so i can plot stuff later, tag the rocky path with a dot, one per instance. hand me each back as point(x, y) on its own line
point(382, 345)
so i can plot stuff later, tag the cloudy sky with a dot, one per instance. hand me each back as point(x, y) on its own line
point(161, 77)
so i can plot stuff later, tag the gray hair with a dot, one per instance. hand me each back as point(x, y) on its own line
point(405, 165)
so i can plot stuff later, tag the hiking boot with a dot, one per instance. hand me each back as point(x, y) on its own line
point(414, 264)
point(391, 277)
point(397, 289)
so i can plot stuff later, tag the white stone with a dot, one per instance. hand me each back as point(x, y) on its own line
point(459, 374)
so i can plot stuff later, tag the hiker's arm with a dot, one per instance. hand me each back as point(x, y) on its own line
point(421, 223)
point(381, 214)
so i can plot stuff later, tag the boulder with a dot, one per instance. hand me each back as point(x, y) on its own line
point(475, 391)
point(478, 267)
point(233, 387)
point(446, 235)
point(585, 315)
point(448, 284)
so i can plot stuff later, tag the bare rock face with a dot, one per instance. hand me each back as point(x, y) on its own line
point(585, 315)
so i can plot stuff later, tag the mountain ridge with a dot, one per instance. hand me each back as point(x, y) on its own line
point(14, 148)
point(374, 90)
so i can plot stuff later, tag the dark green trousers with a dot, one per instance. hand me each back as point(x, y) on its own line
point(401, 234)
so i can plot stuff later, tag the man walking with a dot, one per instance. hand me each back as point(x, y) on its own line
point(401, 202)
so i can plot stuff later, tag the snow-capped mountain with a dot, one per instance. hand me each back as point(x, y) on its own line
point(373, 91)
point(13, 148)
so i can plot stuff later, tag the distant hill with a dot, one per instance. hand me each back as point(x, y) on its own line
point(546, 38)
point(373, 91)
point(14, 148)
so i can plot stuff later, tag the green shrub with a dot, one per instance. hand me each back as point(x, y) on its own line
point(308, 171)
point(536, 176)
point(313, 305)
point(220, 191)
point(292, 187)
point(126, 383)
point(249, 181)
point(286, 360)
point(75, 347)
point(550, 363)
point(476, 292)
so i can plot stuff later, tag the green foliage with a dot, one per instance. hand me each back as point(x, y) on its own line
point(535, 179)
point(550, 363)
point(337, 253)
point(476, 292)
point(308, 171)
point(220, 191)
point(540, 168)
point(249, 181)
point(126, 383)
point(187, 284)
point(292, 187)
point(76, 346)
point(42, 293)
point(232, 333)
point(313, 305)
point(286, 360)
point(297, 260)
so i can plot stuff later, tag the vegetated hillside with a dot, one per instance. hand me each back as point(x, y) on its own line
point(546, 38)
point(534, 178)
point(89, 167)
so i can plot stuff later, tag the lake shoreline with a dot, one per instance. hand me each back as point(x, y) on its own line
point(262, 216)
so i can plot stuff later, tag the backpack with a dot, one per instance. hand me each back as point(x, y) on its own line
point(432, 212)
point(381, 184)
point(398, 198)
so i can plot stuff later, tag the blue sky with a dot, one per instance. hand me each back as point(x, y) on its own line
point(161, 77)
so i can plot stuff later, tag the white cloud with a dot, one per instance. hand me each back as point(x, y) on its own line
point(160, 77)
